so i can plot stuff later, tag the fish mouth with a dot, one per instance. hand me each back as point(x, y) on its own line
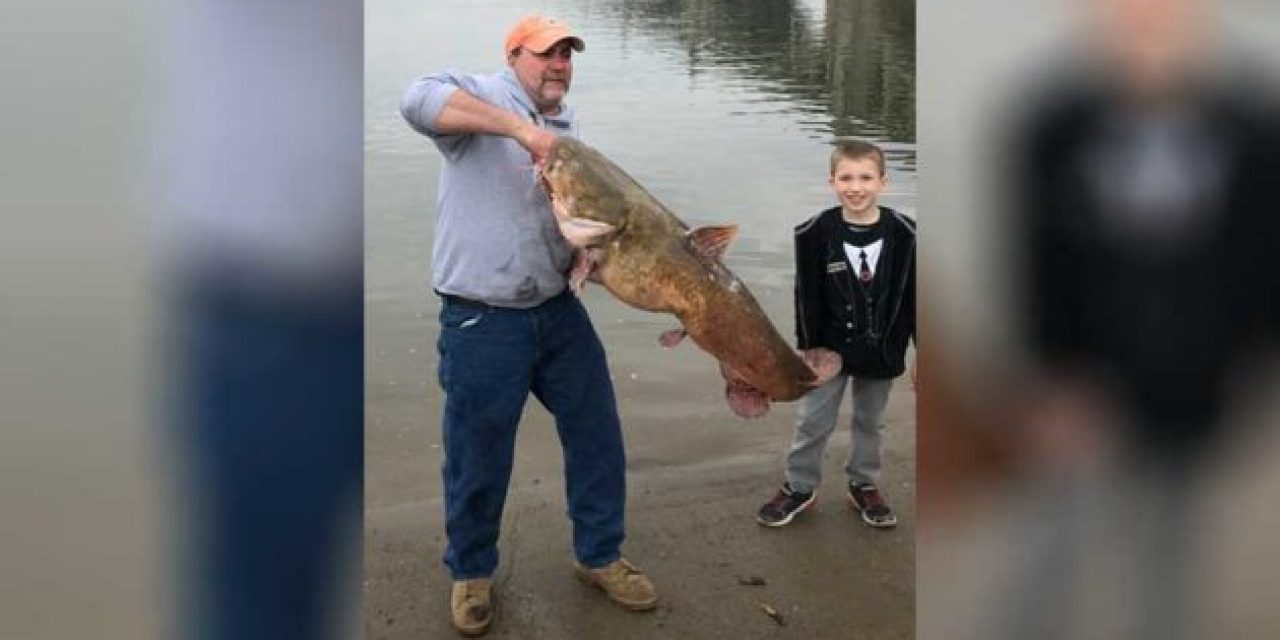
point(545, 168)
point(546, 183)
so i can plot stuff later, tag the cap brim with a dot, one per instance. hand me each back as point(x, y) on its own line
point(541, 45)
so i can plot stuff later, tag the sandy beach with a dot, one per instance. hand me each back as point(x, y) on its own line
point(696, 475)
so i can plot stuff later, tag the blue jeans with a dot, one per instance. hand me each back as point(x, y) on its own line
point(490, 360)
point(271, 434)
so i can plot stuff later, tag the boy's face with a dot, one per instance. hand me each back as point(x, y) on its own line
point(857, 183)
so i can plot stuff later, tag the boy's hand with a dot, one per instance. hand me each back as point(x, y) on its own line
point(1068, 424)
point(825, 363)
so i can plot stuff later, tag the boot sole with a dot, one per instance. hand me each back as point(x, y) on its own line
point(590, 581)
point(473, 632)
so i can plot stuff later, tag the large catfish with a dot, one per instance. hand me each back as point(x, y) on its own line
point(648, 258)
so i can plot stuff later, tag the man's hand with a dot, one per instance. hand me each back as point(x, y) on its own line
point(537, 140)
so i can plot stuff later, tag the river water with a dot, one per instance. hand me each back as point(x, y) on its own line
point(724, 110)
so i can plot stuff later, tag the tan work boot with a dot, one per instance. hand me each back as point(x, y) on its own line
point(472, 606)
point(623, 583)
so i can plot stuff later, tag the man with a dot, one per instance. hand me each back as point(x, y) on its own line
point(509, 326)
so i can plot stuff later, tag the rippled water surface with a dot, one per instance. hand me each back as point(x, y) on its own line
point(725, 110)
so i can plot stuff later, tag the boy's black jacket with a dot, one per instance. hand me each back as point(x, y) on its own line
point(830, 307)
point(1166, 321)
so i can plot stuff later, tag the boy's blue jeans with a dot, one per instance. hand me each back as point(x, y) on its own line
point(490, 360)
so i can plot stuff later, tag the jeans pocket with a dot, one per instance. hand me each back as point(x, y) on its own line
point(456, 316)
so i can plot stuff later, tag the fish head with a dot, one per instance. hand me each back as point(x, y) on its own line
point(587, 191)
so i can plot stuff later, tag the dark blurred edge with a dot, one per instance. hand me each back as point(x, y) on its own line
point(977, 458)
point(181, 319)
point(265, 263)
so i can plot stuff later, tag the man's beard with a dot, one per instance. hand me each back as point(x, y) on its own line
point(552, 92)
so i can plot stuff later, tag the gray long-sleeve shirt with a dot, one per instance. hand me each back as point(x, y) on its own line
point(496, 237)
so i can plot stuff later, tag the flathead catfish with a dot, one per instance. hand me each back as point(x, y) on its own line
point(648, 258)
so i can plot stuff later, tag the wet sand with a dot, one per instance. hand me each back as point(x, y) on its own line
point(696, 475)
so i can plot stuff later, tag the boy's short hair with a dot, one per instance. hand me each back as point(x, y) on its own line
point(856, 150)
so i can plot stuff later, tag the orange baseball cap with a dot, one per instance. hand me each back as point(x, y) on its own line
point(537, 33)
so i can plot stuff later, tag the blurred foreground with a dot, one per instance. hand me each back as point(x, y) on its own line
point(1102, 322)
point(182, 319)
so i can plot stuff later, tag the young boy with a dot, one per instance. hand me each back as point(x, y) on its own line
point(855, 294)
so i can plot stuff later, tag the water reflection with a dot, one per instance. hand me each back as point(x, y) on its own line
point(850, 63)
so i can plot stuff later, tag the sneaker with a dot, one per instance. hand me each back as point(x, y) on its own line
point(622, 582)
point(472, 606)
point(867, 500)
point(784, 507)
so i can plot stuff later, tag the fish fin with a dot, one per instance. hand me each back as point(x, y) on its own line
point(671, 338)
point(581, 269)
point(747, 402)
point(583, 232)
point(712, 240)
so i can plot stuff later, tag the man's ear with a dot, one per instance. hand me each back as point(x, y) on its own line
point(511, 57)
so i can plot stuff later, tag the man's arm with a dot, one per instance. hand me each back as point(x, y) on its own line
point(465, 113)
point(448, 107)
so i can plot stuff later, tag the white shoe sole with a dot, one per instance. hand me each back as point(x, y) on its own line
point(804, 506)
point(889, 523)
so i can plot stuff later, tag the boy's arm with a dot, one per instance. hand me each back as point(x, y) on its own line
point(912, 314)
point(911, 297)
point(809, 292)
